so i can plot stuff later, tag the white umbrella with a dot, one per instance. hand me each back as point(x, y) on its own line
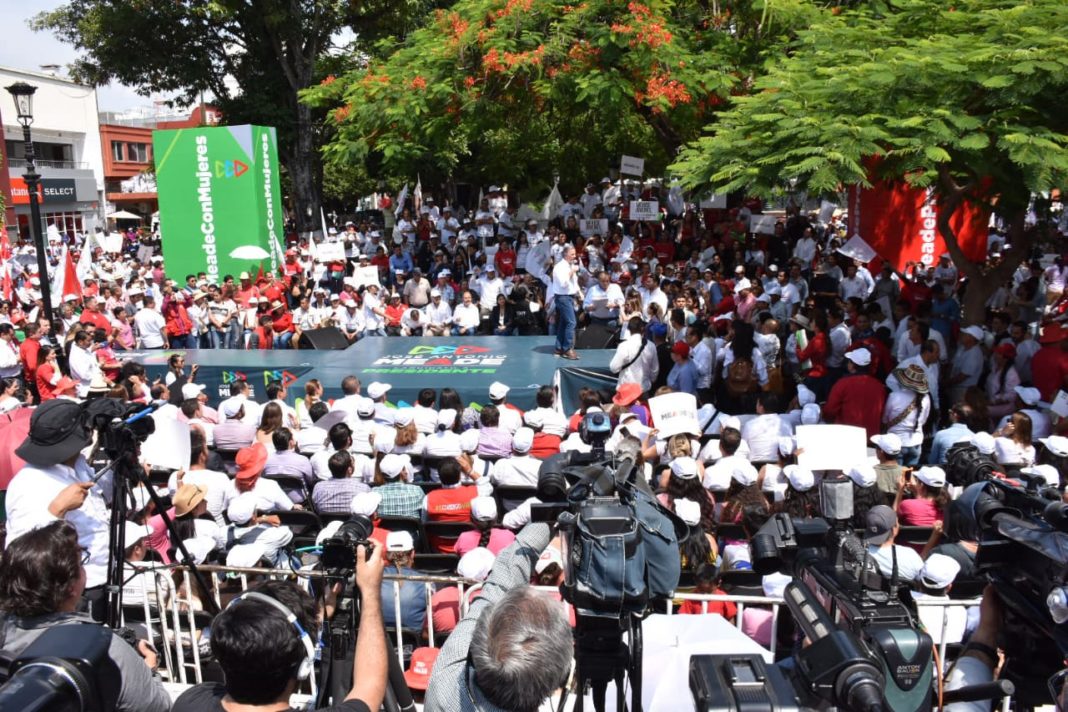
point(123, 215)
point(249, 252)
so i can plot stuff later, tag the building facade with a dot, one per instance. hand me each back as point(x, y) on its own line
point(66, 138)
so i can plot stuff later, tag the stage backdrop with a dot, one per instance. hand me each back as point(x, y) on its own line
point(901, 224)
point(467, 364)
point(218, 191)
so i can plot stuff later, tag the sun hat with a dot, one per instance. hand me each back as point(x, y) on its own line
point(187, 498)
point(56, 433)
point(626, 394)
point(250, 461)
point(913, 378)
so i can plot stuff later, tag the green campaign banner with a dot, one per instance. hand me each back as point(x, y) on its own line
point(219, 192)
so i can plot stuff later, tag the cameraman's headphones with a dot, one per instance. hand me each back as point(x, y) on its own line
point(304, 671)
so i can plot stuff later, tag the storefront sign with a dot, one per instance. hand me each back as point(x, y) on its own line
point(49, 190)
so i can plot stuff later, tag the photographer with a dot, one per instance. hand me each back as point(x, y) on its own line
point(517, 640)
point(977, 663)
point(42, 576)
point(262, 652)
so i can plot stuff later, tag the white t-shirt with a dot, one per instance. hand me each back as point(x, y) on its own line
point(909, 563)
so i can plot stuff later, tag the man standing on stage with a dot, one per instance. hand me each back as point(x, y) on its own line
point(565, 287)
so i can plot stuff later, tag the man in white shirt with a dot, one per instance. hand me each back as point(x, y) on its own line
point(553, 422)
point(703, 355)
point(466, 317)
point(891, 559)
point(10, 360)
point(448, 226)
point(651, 293)
point(151, 326)
point(565, 288)
point(928, 360)
point(488, 285)
point(83, 364)
point(852, 285)
point(805, 250)
point(438, 315)
point(839, 337)
point(519, 470)
point(762, 433)
point(374, 314)
point(635, 358)
point(603, 301)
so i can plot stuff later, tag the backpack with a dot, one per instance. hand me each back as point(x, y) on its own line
point(965, 465)
point(741, 377)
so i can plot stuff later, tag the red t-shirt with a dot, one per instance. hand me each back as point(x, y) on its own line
point(505, 261)
point(242, 296)
point(28, 351)
point(449, 505)
point(724, 608)
point(283, 323)
point(96, 319)
point(918, 512)
point(1048, 369)
point(545, 445)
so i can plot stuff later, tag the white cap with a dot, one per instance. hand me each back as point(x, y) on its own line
point(800, 479)
point(494, 189)
point(242, 508)
point(550, 556)
point(365, 503)
point(403, 416)
point(469, 440)
point(863, 474)
point(446, 418)
point(688, 511)
point(365, 407)
point(889, 443)
point(1030, 396)
point(731, 421)
point(198, 547)
point(476, 564)
point(230, 407)
point(975, 332)
point(931, 475)
point(435, 292)
point(399, 541)
point(393, 465)
point(134, 532)
point(484, 509)
point(329, 530)
point(773, 289)
point(534, 418)
point(376, 390)
point(245, 556)
point(805, 395)
point(810, 414)
point(743, 472)
point(787, 445)
point(984, 443)
point(191, 391)
point(1047, 472)
point(523, 440)
point(939, 571)
point(498, 390)
point(1056, 444)
point(685, 468)
point(861, 356)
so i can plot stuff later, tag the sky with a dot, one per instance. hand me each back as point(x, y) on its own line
point(22, 48)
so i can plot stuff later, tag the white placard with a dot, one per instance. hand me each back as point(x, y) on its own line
point(330, 252)
point(827, 209)
point(593, 227)
point(714, 202)
point(168, 447)
point(674, 413)
point(113, 242)
point(1060, 404)
point(644, 210)
point(365, 275)
point(632, 165)
point(858, 249)
point(762, 224)
point(831, 447)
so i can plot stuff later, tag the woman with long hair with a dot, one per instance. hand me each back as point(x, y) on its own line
point(407, 440)
point(48, 373)
point(699, 546)
point(743, 349)
point(487, 533)
point(816, 352)
point(741, 494)
point(270, 420)
point(684, 481)
point(866, 492)
point(1012, 443)
point(588, 398)
point(907, 410)
point(313, 393)
point(449, 399)
point(1002, 382)
point(801, 500)
point(930, 497)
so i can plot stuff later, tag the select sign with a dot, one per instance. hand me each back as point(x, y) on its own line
point(49, 190)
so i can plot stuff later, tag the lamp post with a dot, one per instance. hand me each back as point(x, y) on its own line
point(22, 93)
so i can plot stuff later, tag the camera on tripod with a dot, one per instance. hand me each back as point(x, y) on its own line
point(122, 426)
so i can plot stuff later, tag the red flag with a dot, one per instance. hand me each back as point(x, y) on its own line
point(5, 244)
point(6, 288)
point(260, 275)
point(65, 281)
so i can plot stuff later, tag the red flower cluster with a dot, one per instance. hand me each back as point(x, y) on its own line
point(330, 79)
point(646, 30)
point(512, 6)
point(491, 61)
point(418, 82)
point(341, 113)
point(662, 86)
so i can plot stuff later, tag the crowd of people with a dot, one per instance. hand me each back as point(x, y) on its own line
point(768, 333)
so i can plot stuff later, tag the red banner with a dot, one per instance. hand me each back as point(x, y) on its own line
point(901, 224)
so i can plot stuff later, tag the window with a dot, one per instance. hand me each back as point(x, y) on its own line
point(117, 152)
point(137, 152)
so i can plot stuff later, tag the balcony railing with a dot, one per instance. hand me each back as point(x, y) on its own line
point(46, 163)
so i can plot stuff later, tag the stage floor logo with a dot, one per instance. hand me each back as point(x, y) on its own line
point(442, 359)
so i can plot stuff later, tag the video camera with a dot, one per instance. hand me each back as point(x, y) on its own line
point(122, 426)
point(338, 557)
point(65, 670)
point(865, 651)
point(1022, 530)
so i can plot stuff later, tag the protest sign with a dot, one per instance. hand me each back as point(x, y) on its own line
point(330, 252)
point(858, 249)
point(714, 202)
point(674, 413)
point(827, 209)
point(632, 166)
point(168, 447)
point(1060, 404)
point(762, 224)
point(112, 242)
point(831, 447)
point(644, 210)
point(365, 275)
point(593, 227)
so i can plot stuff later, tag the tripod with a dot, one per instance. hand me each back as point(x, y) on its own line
point(601, 657)
point(121, 440)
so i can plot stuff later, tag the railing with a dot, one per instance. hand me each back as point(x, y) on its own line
point(47, 163)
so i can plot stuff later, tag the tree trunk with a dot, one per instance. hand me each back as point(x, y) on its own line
point(303, 171)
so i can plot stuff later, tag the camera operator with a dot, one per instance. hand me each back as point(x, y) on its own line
point(42, 575)
point(55, 484)
point(977, 663)
point(263, 652)
point(513, 649)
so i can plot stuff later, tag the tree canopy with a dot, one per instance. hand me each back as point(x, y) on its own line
point(964, 97)
point(512, 90)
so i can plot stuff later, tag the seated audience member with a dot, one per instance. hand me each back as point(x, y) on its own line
point(957, 431)
point(42, 577)
point(493, 440)
point(486, 533)
point(339, 437)
point(545, 444)
point(234, 432)
point(215, 484)
point(892, 559)
point(888, 471)
point(520, 469)
point(399, 499)
point(475, 565)
point(268, 493)
point(334, 496)
point(400, 555)
point(263, 640)
point(312, 439)
point(935, 582)
point(285, 461)
point(929, 497)
point(451, 503)
point(707, 577)
point(259, 538)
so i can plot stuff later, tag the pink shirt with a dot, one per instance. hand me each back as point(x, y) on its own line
point(499, 540)
point(918, 512)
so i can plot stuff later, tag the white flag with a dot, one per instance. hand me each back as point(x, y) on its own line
point(552, 204)
point(402, 197)
point(858, 249)
point(417, 194)
point(84, 268)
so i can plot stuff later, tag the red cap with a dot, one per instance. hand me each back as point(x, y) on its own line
point(681, 348)
point(1052, 334)
point(627, 394)
point(1006, 350)
point(250, 461)
point(418, 673)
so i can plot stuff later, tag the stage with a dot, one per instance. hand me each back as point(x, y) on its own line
point(468, 364)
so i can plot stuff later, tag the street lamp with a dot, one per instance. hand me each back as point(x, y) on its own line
point(23, 93)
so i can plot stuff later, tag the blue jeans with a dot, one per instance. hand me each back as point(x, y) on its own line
point(565, 322)
point(381, 331)
point(281, 341)
point(910, 456)
point(469, 331)
point(219, 339)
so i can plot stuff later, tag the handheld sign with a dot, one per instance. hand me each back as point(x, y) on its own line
point(644, 210)
point(632, 166)
point(593, 227)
